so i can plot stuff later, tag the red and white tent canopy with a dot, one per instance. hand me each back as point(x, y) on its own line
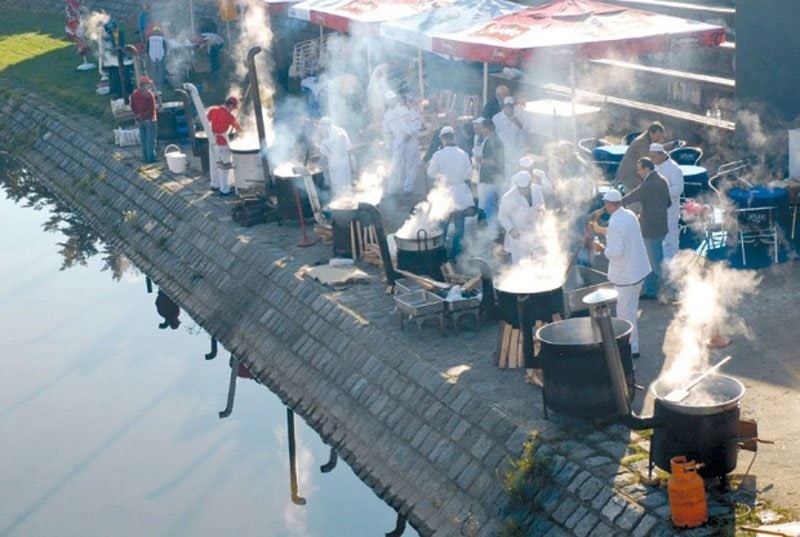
point(347, 15)
point(579, 29)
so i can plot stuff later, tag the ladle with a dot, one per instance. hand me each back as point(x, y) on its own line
point(679, 394)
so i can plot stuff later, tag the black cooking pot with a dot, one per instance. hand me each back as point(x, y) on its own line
point(704, 431)
point(576, 378)
point(543, 305)
point(286, 184)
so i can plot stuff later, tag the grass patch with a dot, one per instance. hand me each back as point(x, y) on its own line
point(35, 52)
point(526, 478)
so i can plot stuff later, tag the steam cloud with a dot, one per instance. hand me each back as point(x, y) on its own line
point(709, 296)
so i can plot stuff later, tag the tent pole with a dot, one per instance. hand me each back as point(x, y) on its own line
point(485, 83)
point(420, 75)
point(191, 14)
point(572, 102)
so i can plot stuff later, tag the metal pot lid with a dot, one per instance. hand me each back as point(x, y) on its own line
point(422, 234)
point(713, 395)
point(579, 331)
point(244, 146)
point(601, 296)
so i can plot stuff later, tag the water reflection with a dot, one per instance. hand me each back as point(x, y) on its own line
point(80, 242)
point(112, 425)
point(169, 310)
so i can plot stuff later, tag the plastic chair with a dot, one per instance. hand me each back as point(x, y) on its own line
point(587, 145)
point(630, 137)
point(470, 106)
point(674, 144)
point(755, 224)
point(686, 156)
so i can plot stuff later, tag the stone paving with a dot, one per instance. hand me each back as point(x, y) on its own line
point(430, 436)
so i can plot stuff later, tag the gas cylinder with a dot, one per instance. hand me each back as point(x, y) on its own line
point(687, 494)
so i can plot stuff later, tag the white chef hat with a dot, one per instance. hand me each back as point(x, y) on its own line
point(613, 196)
point(447, 129)
point(657, 148)
point(521, 179)
point(526, 162)
point(508, 100)
point(540, 174)
point(389, 95)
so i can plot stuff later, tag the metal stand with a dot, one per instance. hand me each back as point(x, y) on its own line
point(149, 284)
point(305, 241)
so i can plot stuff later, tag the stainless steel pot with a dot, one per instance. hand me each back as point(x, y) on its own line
point(714, 395)
point(425, 240)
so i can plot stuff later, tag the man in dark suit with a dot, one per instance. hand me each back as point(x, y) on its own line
point(493, 106)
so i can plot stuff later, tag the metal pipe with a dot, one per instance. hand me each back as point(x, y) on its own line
point(231, 388)
point(296, 498)
point(333, 458)
point(187, 111)
point(255, 94)
point(599, 304)
point(488, 302)
point(368, 215)
point(137, 68)
point(213, 352)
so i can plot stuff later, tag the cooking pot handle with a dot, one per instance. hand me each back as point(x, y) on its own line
point(424, 234)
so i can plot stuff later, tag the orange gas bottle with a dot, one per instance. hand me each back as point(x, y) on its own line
point(687, 494)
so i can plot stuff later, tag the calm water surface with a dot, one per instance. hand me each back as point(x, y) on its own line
point(108, 425)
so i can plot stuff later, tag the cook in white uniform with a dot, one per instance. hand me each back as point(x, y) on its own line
point(628, 264)
point(454, 165)
point(401, 126)
point(674, 175)
point(512, 128)
point(520, 211)
point(335, 147)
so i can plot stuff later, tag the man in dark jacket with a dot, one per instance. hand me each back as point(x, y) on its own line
point(494, 106)
point(491, 170)
point(653, 195)
point(639, 147)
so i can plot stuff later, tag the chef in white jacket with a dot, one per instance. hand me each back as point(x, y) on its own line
point(455, 167)
point(401, 126)
point(674, 175)
point(513, 128)
point(628, 264)
point(334, 147)
point(521, 209)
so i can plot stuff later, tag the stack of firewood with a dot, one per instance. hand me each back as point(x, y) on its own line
point(368, 241)
point(466, 283)
point(509, 347)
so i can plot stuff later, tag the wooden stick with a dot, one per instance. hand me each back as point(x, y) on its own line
point(513, 348)
point(352, 241)
point(360, 238)
point(427, 283)
point(472, 284)
point(505, 334)
point(765, 532)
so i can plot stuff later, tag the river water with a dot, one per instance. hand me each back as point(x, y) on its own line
point(109, 425)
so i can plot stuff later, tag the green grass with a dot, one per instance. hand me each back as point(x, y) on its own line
point(35, 52)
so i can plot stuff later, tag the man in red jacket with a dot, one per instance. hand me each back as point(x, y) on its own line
point(222, 123)
point(143, 106)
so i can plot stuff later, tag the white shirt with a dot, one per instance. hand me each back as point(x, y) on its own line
point(454, 165)
point(674, 176)
point(515, 213)
point(512, 136)
point(397, 123)
point(627, 257)
point(156, 48)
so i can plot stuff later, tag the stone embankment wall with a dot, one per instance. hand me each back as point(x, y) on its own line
point(435, 450)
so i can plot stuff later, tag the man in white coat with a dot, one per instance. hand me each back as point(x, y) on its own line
point(334, 147)
point(512, 129)
point(521, 209)
point(455, 167)
point(670, 170)
point(401, 126)
point(628, 264)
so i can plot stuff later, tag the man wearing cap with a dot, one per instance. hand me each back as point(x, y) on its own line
point(491, 170)
point(653, 197)
point(334, 146)
point(538, 176)
point(639, 147)
point(223, 123)
point(627, 259)
point(674, 176)
point(157, 54)
point(143, 106)
point(512, 130)
point(453, 165)
point(520, 211)
point(401, 129)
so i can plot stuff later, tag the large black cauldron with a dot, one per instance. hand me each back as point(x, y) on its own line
point(704, 431)
point(543, 305)
point(422, 254)
point(286, 184)
point(576, 378)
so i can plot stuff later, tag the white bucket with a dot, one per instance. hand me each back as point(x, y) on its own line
point(176, 161)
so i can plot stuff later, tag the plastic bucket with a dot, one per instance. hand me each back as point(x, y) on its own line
point(176, 161)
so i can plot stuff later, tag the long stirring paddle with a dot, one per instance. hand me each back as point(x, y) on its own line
point(679, 394)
